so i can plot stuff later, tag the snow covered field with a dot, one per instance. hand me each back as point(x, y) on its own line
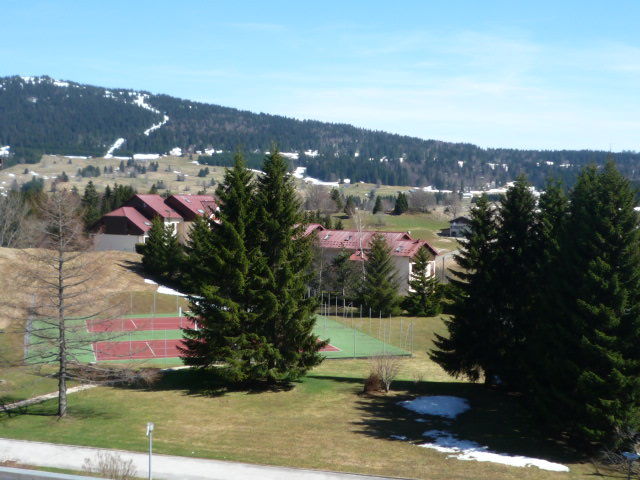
point(450, 407)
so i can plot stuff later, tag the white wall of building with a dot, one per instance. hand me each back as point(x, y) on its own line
point(124, 243)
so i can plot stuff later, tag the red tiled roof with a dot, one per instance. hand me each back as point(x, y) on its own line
point(312, 227)
point(196, 204)
point(133, 216)
point(401, 243)
point(158, 205)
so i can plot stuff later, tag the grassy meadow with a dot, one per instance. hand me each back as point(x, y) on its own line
point(323, 422)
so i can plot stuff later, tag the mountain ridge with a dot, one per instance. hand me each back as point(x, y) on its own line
point(41, 115)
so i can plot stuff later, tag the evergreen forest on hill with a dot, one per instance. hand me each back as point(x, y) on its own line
point(41, 115)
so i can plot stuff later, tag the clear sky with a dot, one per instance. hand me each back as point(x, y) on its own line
point(522, 74)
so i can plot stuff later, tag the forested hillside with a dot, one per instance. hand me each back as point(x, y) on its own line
point(41, 115)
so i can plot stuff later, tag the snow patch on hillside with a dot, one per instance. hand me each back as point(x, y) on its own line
point(299, 172)
point(141, 101)
point(5, 151)
point(176, 152)
point(146, 156)
point(156, 126)
point(116, 145)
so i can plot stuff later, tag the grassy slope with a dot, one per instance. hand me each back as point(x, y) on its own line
point(54, 165)
point(324, 422)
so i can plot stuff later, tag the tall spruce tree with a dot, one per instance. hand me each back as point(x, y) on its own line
point(596, 386)
point(162, 253)
point(281, 275)
point(424, 297)
point(472, 347)
point(221, 258)
point(377, 207)
point(516, 279)
point(379, 288)
point(402, 204)
point(91, 205)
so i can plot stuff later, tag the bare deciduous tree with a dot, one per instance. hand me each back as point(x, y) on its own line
point(62, 281)
point(318, 198)
point(421, 201)
point(17, 229)
point(386, 368)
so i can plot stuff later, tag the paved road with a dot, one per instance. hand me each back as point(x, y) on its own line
point(164, 466)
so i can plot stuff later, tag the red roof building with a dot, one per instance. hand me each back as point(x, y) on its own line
point(126, 221)
point(190, 206)
point(153, 206)
point(401, 243)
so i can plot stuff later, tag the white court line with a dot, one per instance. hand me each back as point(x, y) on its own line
point(134, 323)
point(152, 352)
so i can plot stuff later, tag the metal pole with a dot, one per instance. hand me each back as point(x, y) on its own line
point(150, 451)
point(354, 335)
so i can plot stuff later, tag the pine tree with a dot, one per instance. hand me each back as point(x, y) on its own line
point(472, 347)
point(597, 385)
point(154, 258)
point(90, 205)
point(380, 283)
point(221, 257)
point(344, 275)
point(377, 207)
point(424, 297)
point(402, 204)
point(281, 276)
point(338, 225)
point(349, 206)
point(107, 201)
point(337, 198)
point(516, 279)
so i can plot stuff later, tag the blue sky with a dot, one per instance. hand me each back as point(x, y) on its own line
point(561, 74)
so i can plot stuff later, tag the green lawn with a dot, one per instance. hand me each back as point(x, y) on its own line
point(323, 422)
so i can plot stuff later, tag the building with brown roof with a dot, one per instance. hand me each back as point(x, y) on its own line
point(403, 248)
point(126, 226)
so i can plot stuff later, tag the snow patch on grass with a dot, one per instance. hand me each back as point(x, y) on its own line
point(439, 405)
point(468, 450)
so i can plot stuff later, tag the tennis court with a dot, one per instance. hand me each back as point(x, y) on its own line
point(156, 337)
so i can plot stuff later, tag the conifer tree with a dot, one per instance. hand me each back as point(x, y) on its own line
point(380, 283)
point(424, 297)
point(596, 385)
point(402, 204)
point(377, 207)
point(162, 254)
point(279, 283)
point(516, 278)
point(107, 201)
point(90, 205)
point(221, 257)
point(472, 347)
point(154, 259)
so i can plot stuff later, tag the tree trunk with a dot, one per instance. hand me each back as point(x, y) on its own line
point(62, 370)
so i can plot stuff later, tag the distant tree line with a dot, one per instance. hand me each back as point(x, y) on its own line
point(81, 120)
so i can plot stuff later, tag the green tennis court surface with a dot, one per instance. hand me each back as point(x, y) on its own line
point(349, 342)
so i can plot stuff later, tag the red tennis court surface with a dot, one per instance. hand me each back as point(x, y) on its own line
point(139, 323)
point(145, 349)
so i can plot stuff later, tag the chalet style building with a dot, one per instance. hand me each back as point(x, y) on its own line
point(459, 226)
point(403, 248)
point(128, 225)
